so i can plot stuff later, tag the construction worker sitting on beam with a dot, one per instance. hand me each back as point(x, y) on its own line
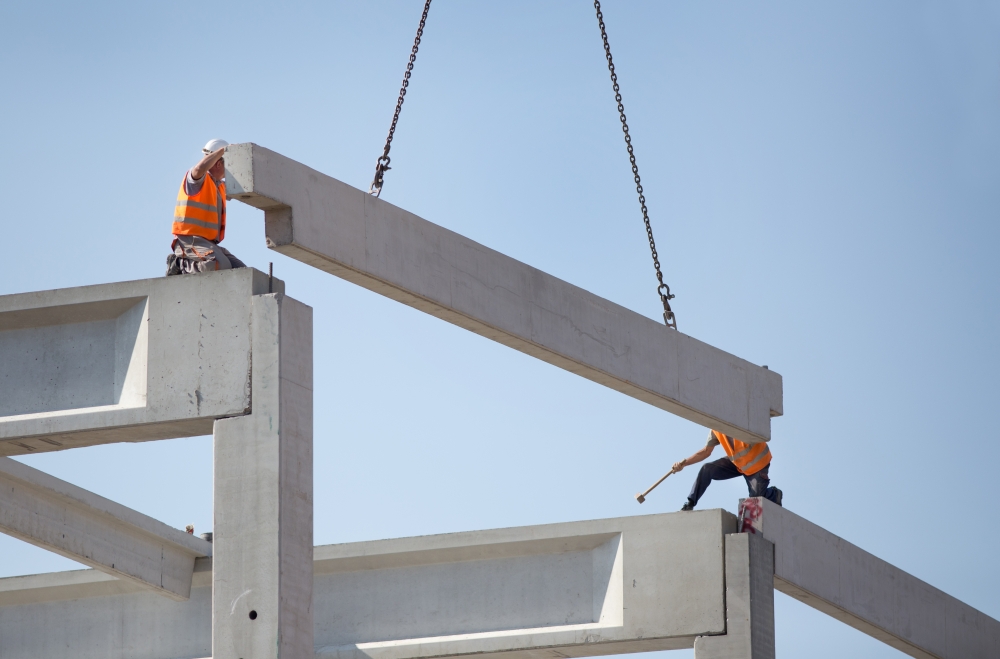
point(200, 217)
point(751, 461)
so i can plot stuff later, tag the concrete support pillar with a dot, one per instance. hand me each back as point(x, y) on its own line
point(263, 545)
point(749, 602)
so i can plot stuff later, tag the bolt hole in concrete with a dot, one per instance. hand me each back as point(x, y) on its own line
point(253, 615)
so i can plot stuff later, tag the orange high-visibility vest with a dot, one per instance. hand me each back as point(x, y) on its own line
point(748, 458)
point(203, 214)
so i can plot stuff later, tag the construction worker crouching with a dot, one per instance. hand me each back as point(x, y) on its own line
point(748, 460)
point(200, 217)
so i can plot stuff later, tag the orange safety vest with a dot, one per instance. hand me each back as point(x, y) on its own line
point(203, 214)
point(748, 458)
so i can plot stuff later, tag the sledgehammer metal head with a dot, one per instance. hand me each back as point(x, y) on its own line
point(640, 498)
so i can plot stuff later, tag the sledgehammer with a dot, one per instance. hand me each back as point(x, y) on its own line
point(642, 497)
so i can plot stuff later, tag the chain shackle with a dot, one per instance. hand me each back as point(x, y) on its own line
point(668, 315)
point(382, 164)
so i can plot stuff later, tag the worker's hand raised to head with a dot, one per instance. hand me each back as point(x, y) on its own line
point(678, 466)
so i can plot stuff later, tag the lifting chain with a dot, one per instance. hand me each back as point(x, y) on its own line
point(662, 290)
point(382, 164)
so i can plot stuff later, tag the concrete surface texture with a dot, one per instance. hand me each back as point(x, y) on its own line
point(86, 614)
point(320, 221)
point(263, 580)
point(130, 361)
point(92, 530)
point(581, 588)
point(833, 576)
point(588, 588)
point(749, 602)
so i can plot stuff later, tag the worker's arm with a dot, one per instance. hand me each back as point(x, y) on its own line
point(694, 459)
point(206, 163)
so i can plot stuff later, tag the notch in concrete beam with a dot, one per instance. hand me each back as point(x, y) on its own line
point(82, 526)
point(346, 232)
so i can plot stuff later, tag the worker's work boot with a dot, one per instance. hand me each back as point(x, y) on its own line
point(687, 505)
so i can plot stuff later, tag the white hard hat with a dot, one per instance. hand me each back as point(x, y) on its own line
point(214, 145)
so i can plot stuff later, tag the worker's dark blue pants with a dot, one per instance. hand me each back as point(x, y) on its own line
point(723, 469)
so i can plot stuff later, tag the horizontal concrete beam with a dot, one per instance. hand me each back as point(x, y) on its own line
point(560, 590)
point(320, 221)
point(92, 530)
point(86, 614)
point(833, 576)
point(125, 362)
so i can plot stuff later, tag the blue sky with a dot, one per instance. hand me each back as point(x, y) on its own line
point(823, 184)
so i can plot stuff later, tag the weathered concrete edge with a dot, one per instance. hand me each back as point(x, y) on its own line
point(763, 386)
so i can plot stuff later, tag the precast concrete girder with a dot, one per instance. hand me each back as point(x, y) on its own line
point(845, 582)
point(558, 590)
point(92, 530)
point(125, 362)
point(349, 233)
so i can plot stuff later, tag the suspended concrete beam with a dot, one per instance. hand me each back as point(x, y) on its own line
point(125, 362)
point(92, 530)
point(833, 576)
point(542, 592)
point(320, 221)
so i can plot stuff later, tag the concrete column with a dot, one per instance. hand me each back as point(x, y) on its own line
point(749, 602)
point(263, 554)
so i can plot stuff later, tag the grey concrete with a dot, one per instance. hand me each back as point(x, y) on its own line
point(749, 602)
point(85, 614)
point(263, 581)
point(570, 590)
point(559, 590)
point(833, 576)
point(345, 231)
point(131, 361)
point(92, 530)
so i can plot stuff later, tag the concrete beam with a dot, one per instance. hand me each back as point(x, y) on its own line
point(85, 614)
point(263, 578)
point(125, 362)
point(580, 589)
point(320, 221)
point(833, 576)
point(541, 592)
point(92, 530)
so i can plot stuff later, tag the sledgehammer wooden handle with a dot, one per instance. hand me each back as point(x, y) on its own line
point(642, 497)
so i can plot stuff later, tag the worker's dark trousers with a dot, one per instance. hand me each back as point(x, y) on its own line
point(724, 469)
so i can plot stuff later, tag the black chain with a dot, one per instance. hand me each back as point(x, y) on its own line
point(382, 165)
point(663, 290)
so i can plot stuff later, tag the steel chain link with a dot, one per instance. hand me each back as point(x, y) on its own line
point(382, 164)
point(662, 290)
